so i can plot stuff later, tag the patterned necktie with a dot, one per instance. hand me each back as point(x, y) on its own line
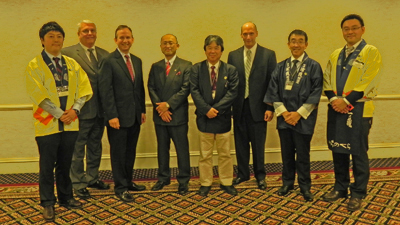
point(168, 68)
point(213, 79)
point(247, 72)
point(293, 69)
point(349, 50)
point(129, 65)
point(58, 67)
point(93, 59)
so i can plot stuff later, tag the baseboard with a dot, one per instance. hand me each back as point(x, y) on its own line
point(149, 160)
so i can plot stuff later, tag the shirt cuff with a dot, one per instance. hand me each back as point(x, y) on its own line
point(279, 108)
point(333, 99)
point(303, 112)
point(79, 103)
point(345, 100)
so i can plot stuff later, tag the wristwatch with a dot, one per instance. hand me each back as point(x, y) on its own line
point(76, 111)
point(166, 104)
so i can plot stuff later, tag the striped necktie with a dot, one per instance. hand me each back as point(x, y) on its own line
point(168, 68)
point(247, 72)
point(129, 65)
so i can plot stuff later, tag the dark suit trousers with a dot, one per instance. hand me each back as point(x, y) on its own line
point(178, 134)
point(249, 131)
point(361, 172)
point(90, 134)
point(123, 153)
point(55, 151)
point(295, 151)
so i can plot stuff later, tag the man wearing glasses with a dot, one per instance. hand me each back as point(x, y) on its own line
point(351, 79)
point(294, 91)
point(168, 89)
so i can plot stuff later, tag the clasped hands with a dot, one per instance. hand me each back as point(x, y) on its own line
point(163, 112)
point(68, 116)
point(340, 106)
point(291, 118)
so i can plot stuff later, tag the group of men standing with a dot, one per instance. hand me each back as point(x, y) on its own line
point(251, 85)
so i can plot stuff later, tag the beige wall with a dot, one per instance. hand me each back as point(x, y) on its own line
point(191, 21)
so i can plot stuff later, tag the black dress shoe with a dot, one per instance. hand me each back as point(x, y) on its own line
point(334, 195)
point(159, 185)
point(284, 190)
point(71, 204)
point(262, 185)
point(125, 196)
point(308, 196)
point(82, 193)
point(48, 213)
point(136, 187)
point(238, 180)
point(203, 191)
point(99, 185)
point(183, 188)
point(229, 189)
point(354, 204)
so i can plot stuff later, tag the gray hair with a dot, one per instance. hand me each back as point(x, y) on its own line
point(214, 38)
point(84, 21)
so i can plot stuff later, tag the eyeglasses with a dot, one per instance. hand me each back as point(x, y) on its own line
point(297, 42)
point(346, 29)
point(168, 43)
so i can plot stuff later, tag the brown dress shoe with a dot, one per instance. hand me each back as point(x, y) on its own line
point(334, 195)
point(48, 213)
point(71, 204)
point(354, 204)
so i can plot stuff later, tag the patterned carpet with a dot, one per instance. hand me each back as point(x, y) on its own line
point(19, 202)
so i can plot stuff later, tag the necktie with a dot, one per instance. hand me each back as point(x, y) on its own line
point(168, 68)
point(247, 72)
point(293, 69)
point(58, 67)
point(349, 50)
point(213, 79)
point(93, 59)
point(129, 65)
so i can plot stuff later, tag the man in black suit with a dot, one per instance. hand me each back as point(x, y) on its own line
point(254, 64)
point(91, 121)
point(168, 89)
point(122, 96)
point(213, 85)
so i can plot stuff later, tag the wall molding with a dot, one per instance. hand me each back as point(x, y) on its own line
point(19, 107)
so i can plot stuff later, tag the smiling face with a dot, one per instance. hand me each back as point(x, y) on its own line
point(87, 34)
point(213, 53)
point(352, 31)
point(169, 45)
point(124, 40)
point(53, 42)
point(297, 45)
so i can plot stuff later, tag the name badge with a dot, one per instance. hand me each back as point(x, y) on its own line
point(62, 91)
point(289, 85)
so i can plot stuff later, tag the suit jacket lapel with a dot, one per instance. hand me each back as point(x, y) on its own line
point(122, 63)
point(171, 76)
point(221, 81)
point(81, 53)
point(240, 67)
point(162, 73)
point(256, 60)
point(206, 82)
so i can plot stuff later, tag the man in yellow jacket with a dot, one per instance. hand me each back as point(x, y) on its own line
point(351, 79)
point(58, 88)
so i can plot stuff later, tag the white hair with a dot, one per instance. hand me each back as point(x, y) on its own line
point(84, 21)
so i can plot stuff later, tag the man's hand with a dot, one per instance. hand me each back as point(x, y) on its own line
point(162, 107)
point(340, 106)
point(166, 116)
point(268, 115)
point(292, 118)
point(143, 118)
point(68, 116)
point(114, 123)
point(212, 113)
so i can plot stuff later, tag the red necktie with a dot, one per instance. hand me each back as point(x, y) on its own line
point(129, 65)
point(58, 67)
point(168, 68)
point(213, 79)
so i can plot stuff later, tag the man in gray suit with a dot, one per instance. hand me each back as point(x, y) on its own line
point(254, 64)
point(168, 89)
point(91, 121)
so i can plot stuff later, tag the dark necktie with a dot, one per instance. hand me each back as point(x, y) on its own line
point(58, 67)
point(93, 59)
point(168, 68)
point(213, 79)
point(129, 65)
point(349, 50)
point(293, 69)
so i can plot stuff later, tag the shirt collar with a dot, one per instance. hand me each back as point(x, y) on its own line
point(253, 49)
point(86, 48)
point(300, 58)
point(216, 65)
point(171, 61)
point(123, 54)
point(52, 56)
point(355, 45)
